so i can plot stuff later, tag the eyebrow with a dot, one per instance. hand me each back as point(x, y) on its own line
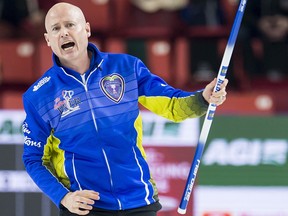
point(65, 22)
point(52, 26)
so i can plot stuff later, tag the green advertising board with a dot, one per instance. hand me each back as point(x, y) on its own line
point(246, 151)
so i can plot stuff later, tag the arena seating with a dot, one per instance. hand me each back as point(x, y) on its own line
point(16, 60)
point(119, 27)
point(97, 13)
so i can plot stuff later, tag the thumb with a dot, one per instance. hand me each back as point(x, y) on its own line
point(212, 84)
point(208, 90)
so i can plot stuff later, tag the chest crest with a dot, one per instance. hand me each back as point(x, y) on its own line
point(113, 87)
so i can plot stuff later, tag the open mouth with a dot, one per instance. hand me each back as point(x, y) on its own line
point(68, 46)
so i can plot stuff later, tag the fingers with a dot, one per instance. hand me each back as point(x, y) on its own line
point(80, 202)
point(218, 97)
point(88, 194)
point(211, 85)
point(217, 100)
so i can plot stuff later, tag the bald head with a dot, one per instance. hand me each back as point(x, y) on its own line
point(67, 34)
point(59, 10)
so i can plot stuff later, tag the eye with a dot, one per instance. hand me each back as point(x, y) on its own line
point(69, 25)
point(55, 28)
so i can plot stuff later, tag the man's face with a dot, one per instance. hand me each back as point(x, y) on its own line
point(67, 33)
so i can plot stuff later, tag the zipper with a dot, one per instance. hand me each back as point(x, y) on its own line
point(85, 85)
point(89, 101)
point(110, 175)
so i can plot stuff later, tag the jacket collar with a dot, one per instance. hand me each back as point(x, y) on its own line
point(96, 61)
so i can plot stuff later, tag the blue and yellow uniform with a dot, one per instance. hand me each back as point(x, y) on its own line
point(85, 131)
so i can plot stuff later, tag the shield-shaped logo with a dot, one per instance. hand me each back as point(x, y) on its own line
point(113, 87)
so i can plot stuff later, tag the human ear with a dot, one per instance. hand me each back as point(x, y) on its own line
point(88, 29)
point(47, 39)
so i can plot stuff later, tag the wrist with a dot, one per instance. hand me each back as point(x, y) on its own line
point(63, 201)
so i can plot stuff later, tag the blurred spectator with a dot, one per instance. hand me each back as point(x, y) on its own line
point(151, 6)
point(147, 19)
point(155, 13)
point(12, 12)
point(265, 25)
point(207, 14)
point(23, 18)
point(203, 12)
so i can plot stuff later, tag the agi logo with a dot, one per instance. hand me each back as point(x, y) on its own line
point(67, 104)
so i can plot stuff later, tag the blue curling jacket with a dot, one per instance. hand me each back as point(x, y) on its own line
point(85, 131)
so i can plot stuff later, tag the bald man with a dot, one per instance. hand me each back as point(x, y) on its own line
point(83, 128)
point(67, 35)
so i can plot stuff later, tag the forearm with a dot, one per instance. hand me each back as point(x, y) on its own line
point(44, 179)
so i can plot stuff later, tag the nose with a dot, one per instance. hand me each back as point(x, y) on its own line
point(64, 32)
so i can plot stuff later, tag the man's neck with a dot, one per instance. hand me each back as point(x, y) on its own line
point(80, 65)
